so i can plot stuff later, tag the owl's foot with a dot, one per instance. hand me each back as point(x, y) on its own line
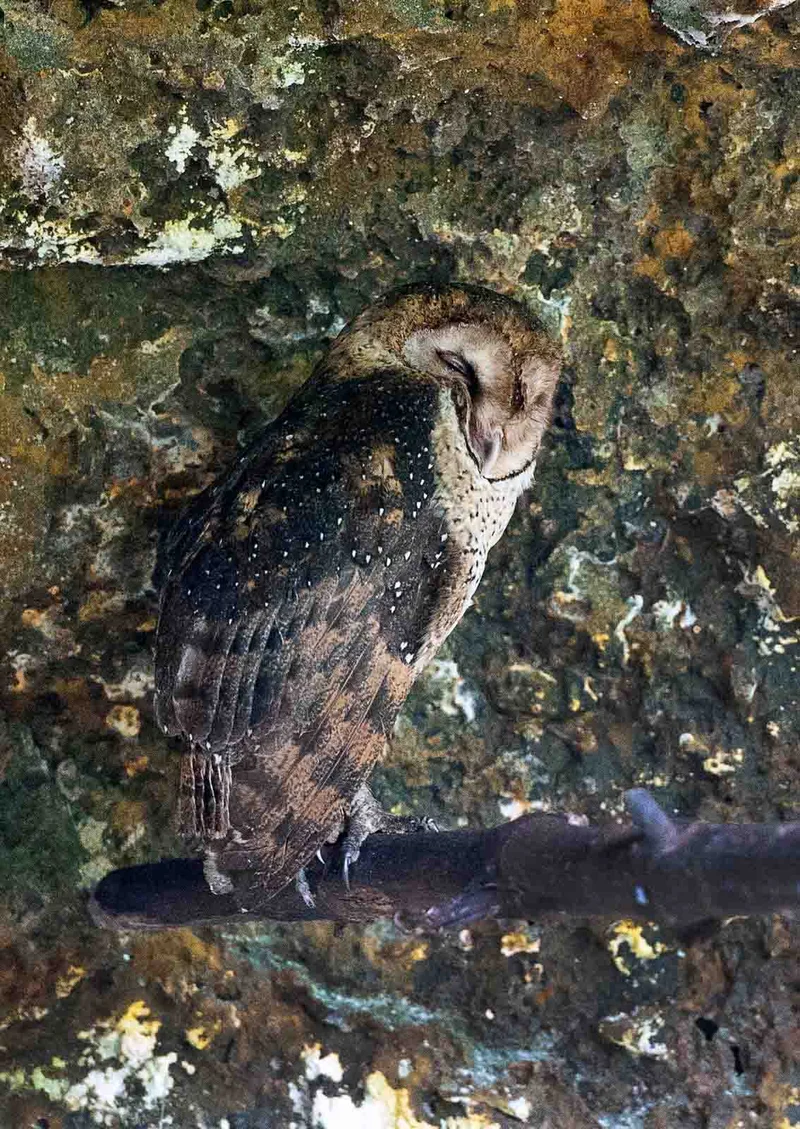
point(218, 882)
point(304, 890)
point(365, 817)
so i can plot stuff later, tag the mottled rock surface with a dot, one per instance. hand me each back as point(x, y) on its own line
point(194, 196)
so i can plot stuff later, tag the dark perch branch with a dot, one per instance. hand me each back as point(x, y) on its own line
point(657, 869)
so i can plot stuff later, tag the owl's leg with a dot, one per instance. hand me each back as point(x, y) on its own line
point(218, 881)
point(303, 889)
point(221, 883)
point(366, 816)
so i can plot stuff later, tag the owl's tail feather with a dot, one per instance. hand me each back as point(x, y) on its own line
point(205, 795)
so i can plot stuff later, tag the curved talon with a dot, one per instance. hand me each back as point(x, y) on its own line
point(365, 817)
point(348, 858)
point(651, 819)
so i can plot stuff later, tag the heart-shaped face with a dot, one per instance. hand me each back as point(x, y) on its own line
point(503, 395)
point(499, 365)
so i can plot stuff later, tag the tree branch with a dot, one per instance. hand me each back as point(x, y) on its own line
point(658, 869)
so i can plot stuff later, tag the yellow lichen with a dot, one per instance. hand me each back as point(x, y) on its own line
point(636, 1032)
point(723, 761)
point(135, 1022)
point(392, 1108)
point(126, 720)
point(520, 942)
point(71, 978)
point(319, 1065)
point(136, 765)
point(201, 1037)
point(631, 935)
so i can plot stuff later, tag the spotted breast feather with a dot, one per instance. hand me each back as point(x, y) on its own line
point(296, 610)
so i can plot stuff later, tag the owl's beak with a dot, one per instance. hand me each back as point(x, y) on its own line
point(485, 444)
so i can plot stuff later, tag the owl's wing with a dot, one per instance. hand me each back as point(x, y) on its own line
point(288, 634)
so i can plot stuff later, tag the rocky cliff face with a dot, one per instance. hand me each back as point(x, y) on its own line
point(193, 198)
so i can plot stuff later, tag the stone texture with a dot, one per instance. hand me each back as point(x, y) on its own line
point(193, 198)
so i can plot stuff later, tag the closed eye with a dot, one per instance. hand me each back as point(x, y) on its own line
point(461, 365)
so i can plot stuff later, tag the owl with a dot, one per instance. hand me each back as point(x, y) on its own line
point(307, 588)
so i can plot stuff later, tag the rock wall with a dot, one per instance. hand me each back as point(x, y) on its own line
point(193, 198)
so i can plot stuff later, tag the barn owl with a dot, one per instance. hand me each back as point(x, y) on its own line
point(307, 588)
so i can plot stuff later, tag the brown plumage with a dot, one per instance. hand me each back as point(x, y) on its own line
point(308, 587)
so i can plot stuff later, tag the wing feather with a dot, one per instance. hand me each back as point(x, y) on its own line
point(295, 592)
point(198, 679)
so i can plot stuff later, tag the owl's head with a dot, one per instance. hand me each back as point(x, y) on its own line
point(484, 349)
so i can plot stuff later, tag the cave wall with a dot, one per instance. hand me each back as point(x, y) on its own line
point(194, 197)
